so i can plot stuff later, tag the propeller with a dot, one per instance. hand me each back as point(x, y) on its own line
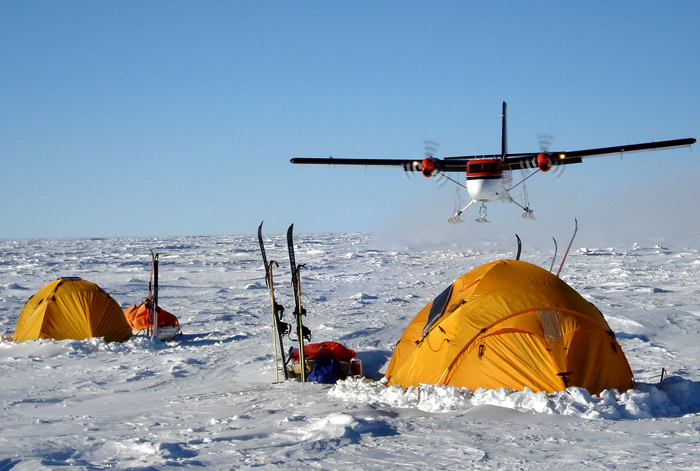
point(427, 165)
point(430, 148)
point(420, 165)
point(410, 167)
point(545, 142)
point(544, 161)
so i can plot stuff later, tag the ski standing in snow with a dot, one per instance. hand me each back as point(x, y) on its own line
point(279, 328)
point(299, 311)
point(153, 296)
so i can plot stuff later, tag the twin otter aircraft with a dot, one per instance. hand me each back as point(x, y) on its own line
point(490, 177)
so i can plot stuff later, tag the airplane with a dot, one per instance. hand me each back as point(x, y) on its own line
point(490, 177)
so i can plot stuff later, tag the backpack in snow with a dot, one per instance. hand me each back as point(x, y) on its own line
point(326, 370)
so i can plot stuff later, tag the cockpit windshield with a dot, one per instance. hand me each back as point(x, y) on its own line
point(490, 166)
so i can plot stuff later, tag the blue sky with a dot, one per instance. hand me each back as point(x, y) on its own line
point(179, 118)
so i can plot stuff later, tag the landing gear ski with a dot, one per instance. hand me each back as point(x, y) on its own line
point(279, 328)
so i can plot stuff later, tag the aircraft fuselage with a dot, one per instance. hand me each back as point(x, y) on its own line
point(489, 180)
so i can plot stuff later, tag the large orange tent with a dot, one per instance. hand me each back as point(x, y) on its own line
point(71, 308)
point(510, 324)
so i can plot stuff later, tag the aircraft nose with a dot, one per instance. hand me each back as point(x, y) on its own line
point(483, 189)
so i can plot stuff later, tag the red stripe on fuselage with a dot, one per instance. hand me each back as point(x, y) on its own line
point(486, 169)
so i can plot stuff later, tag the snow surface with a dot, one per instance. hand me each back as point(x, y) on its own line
point(209, 399)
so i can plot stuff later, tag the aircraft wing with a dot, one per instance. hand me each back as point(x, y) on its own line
point(457, 164)
point(514, 161)
point(574, 157)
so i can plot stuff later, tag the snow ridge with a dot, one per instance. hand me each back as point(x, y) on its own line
point(673, 398)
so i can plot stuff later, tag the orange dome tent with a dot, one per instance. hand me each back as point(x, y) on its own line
point(71, 308)
point(140, 318)
point(510, 324)
point(148, 318)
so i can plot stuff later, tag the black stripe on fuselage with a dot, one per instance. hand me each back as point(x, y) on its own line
point(484, 177)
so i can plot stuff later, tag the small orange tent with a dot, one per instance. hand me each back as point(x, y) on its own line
point(137, 316)
point(510, 324)
point(71, 308)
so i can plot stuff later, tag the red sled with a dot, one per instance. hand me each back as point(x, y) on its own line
point(138, 317)
point(350, 365)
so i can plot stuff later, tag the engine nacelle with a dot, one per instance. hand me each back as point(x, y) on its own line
point(428, 166)
point(544, 161)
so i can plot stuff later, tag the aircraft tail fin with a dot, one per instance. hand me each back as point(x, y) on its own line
point(504, 133)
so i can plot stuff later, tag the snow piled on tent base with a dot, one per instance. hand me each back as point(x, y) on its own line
point(673, 398)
